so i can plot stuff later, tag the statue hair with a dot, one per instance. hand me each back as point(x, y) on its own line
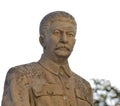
point(55, 16)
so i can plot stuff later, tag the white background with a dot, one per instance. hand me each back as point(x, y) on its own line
point(97, 50)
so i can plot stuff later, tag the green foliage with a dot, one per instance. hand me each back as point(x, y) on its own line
point(105, 94)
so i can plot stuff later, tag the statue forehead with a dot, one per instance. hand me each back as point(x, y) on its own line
point(62, 25)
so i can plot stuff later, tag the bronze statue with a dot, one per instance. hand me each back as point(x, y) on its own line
point(50, 81)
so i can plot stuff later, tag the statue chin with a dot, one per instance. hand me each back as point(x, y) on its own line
point(62, 54)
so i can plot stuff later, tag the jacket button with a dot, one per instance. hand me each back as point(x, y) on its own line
point(70, 103)
point(50, 92)
point(65, 97)
point(61, 73)
point(67, 86)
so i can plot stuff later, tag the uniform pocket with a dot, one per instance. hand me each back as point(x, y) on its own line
point(80, 94)
point(47, 90)
point(81, 98)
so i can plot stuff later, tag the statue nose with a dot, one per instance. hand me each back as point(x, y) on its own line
point(64, 38)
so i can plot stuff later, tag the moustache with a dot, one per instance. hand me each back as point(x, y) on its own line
point(63, 46)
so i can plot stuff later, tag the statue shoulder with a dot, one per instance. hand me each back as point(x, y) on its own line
point(80, 81)
point(24, 72)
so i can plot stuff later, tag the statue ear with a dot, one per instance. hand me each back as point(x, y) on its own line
point(41, 39)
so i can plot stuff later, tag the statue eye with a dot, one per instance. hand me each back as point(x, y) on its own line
point(70, 34)
point(56, 32)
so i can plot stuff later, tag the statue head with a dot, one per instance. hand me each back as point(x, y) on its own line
point(57, 34)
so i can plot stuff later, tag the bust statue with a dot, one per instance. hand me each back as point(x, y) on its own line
point(49, 81)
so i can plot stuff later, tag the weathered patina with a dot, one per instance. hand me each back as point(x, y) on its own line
point(50, 81)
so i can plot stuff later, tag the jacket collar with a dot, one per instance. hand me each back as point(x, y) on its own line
point(53, 67)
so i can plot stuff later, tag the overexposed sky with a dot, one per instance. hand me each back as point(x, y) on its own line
point(97, 50)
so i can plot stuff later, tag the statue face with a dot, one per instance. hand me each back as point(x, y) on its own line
point(60, 39)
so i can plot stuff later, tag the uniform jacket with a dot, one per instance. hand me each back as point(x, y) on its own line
point(45, 83)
